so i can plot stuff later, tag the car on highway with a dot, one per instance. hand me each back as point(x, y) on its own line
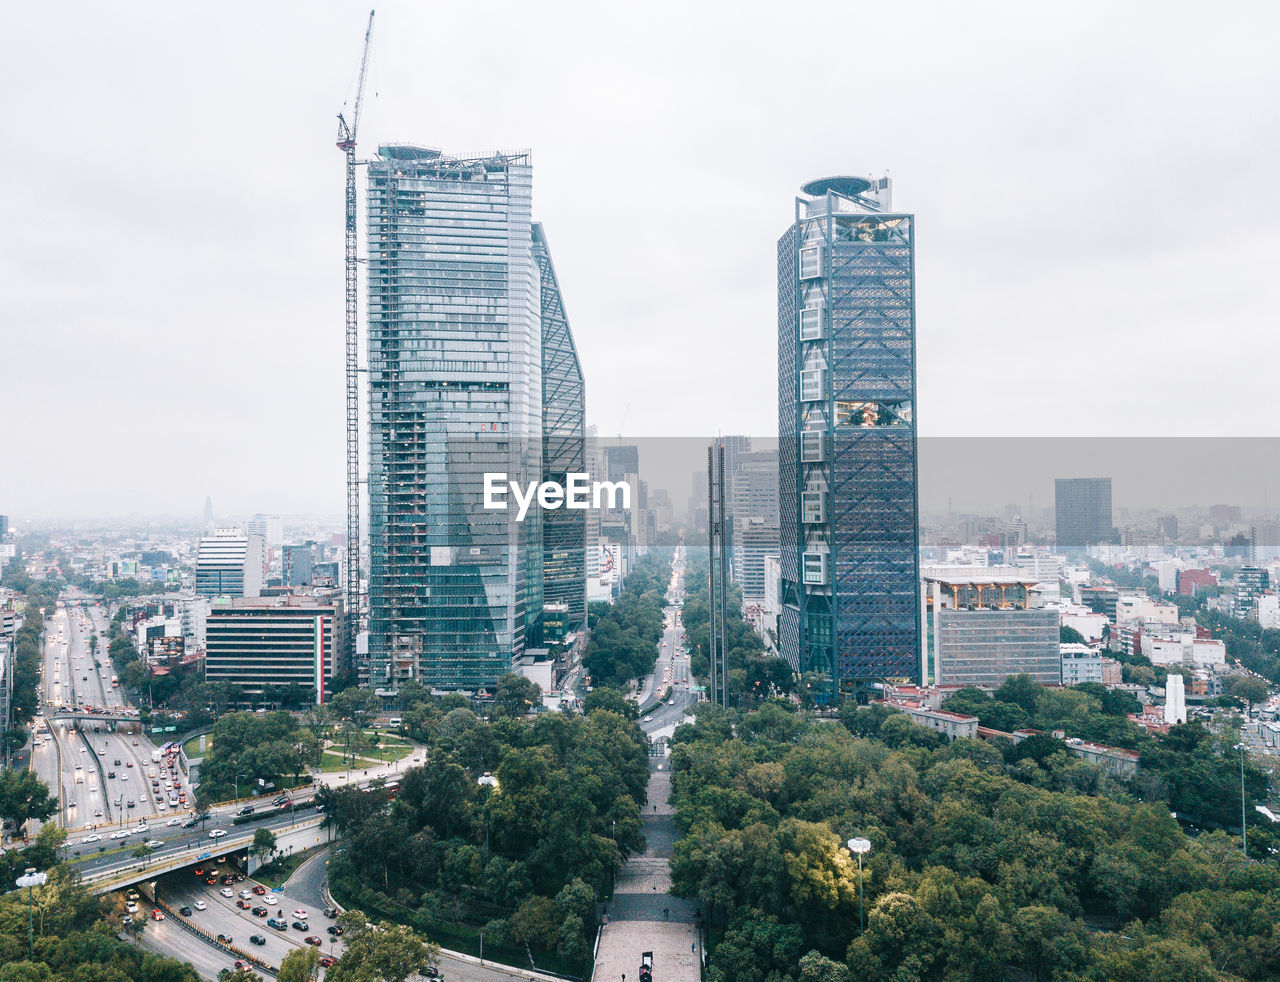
point(312, 939)
point(129, 763)
point(131, 907)
point(300, 914)
point(327, 961)
point(155, 843)
point(226, 892)
point(111, 774)
point(211, 881)
point(239, 963)
point(185, 911)
point(301, 926)
point(259, 912)
point(257, 939)
point(157, 914)
point(217, 833)
point(226, 939)
point(243, 904)
point(334, 930)
point(648, 719)
point(122, 834)
point(246, 894)
point(131, 803)
point(259, 889)
point(200, 905)
point(96, 837)
point(173, 822)
point(330, 912)
point(270, 899)
point(279, 923)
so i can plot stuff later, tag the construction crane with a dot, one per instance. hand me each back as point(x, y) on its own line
point(347, 144)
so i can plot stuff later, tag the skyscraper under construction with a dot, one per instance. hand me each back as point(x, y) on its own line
point(466, 330)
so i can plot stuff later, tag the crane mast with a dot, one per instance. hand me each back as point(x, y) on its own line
point(347, 144)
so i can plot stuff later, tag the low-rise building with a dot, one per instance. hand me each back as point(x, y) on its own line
point(1080, 663)
point(1117, 760)
point(951, 725)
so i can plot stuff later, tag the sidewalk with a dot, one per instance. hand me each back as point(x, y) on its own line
point(636, 922)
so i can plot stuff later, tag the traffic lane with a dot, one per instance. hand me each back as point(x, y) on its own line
point(192, 841)
point(222, 916)
point(167, 938)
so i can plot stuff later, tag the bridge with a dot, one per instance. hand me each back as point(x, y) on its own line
point(81, 716)
point(102, 874)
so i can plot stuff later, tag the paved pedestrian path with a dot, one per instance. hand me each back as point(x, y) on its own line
point(643, 916)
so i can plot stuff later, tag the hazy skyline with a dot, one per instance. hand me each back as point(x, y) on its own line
point(1097, 225)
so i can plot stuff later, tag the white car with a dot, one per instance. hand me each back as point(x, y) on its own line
point(122, 834)
point(93, 838)
point(199, 905)
point(155, 843)
point(226, 892)
point(300, 914)
point(270, 899)
point(142, 827)
point(246, 894)
point(131, 907)
point(173, 821)
point(217, 833)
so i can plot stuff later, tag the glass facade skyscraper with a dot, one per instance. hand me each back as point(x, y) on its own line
point(455, 365)
point(564, 575)
point(462, 298)
point(847, 438)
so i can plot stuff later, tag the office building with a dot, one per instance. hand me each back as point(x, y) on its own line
point(980, 630)
point(456, 329)
point(1251, 583)
point(1083, 511)
point(297, 564)
point(847, 438)
point(753, 508)
point(264, 646)
point(230, 563)
point(564, 571)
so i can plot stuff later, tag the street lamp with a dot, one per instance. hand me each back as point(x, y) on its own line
point(29, 880)
point(238, 776)
point(858, 846)
point(487, 780)
point(1244, 832)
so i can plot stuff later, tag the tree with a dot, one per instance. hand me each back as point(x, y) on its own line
point(300, 965)
point(391, 953)
point(24, 796)
point(611, 700)
point(515, 695)
point(1249, 689)
point(1069, 635)
point(264, 843)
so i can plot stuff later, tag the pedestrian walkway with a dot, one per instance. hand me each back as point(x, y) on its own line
point(643, 916)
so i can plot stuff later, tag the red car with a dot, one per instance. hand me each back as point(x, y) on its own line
point(199, 871)
point(211, 880)
point(327, 962)
point(157, 914)
point(259, 889)
point(243, 904)
point(312, 939)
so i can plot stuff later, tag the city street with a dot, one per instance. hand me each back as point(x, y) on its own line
point(671, 669)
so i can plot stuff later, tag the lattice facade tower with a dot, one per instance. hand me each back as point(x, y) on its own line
point(847, 439)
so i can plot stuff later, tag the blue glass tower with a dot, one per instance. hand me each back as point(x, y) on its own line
point(847, 439)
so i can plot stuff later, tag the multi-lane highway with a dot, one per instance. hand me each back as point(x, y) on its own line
point(95, 771)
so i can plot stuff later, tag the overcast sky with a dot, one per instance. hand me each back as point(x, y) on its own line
point(1098, 224)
